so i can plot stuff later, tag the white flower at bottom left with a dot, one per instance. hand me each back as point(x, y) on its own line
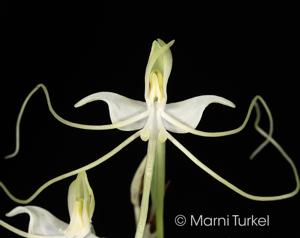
point(81, 205)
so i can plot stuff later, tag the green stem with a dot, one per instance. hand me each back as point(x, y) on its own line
point(158, 187)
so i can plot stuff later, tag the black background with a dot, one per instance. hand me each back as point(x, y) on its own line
point(77, 50)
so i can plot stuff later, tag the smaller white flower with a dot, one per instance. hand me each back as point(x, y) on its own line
point(81, 205)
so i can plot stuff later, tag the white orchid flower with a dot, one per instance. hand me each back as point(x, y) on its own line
point(42, 224)
point(154, 119)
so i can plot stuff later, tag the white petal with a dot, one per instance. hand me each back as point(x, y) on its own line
point(120, 108)
point(190, 111)
point(41, 221)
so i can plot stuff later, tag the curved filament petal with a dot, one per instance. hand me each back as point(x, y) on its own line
point(71, 173)
point(44, 89)
point(235, 188)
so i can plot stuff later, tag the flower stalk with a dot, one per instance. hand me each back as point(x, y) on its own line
point(158, 187)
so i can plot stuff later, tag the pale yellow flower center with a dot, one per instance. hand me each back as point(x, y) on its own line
point(156, 83)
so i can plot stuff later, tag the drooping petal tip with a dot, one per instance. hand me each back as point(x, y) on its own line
point(120, 108)
point(191, 110)
point(41, 221)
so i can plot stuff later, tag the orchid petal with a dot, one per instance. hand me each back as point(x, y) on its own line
point(160, 59)
point(81, 205)
point(120, 108)
point(41, 221)
point(190, 111)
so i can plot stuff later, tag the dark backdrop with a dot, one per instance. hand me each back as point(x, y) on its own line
point(79, 50)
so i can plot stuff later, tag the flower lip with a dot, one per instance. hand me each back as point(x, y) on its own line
point(159, 66)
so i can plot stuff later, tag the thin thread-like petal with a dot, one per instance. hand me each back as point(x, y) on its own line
point(190, 111)
point(235, 188)
point(120, 108)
